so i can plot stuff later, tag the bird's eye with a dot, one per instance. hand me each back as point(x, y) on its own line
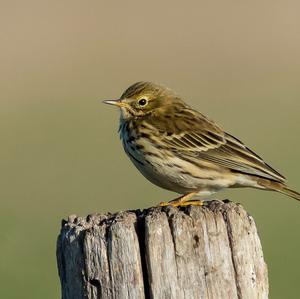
point(143, 102)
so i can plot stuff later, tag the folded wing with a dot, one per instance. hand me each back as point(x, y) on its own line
point(202, 138)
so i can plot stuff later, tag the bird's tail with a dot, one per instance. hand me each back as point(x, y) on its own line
point(289, 192)
point(279, 187)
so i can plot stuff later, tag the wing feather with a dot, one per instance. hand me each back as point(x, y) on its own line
point(202, 138)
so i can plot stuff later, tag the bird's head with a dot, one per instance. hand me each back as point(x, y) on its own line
point(146, 98)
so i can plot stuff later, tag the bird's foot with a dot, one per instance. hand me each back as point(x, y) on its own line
point(179, 203)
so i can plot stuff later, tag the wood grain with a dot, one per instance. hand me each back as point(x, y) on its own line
point(173, 253)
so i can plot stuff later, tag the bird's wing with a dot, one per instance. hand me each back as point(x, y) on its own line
point(200, 137)
point(196, 141)
point(237, 157)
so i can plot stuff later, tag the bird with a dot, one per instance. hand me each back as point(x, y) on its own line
point(179, 149)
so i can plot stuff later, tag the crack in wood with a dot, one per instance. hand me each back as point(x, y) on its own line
point(210, 252)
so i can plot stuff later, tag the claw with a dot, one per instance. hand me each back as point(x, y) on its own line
point(179, 203)
point(182, 201)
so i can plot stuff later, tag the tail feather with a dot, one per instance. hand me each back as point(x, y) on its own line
point(289, 192)
point(279, 187)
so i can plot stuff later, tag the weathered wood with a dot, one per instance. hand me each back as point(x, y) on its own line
point(184, 253)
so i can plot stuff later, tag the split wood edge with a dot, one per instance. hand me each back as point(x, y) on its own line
point(192, 252)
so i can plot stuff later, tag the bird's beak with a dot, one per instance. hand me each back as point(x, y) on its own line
point(118, 102)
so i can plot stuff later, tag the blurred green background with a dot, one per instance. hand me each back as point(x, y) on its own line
point(238, 62)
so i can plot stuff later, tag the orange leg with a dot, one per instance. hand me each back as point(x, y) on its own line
point(183, 201)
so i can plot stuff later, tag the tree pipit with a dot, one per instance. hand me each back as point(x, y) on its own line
point(180, 149)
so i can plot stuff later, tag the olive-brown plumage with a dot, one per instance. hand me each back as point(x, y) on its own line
point(179, 149)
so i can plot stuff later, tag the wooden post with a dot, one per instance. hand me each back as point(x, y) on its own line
point(193, 252)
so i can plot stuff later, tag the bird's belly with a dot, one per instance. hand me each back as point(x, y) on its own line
point(177, 175)
point(167, 177)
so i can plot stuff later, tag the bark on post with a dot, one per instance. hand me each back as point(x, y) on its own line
point(194, 252)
